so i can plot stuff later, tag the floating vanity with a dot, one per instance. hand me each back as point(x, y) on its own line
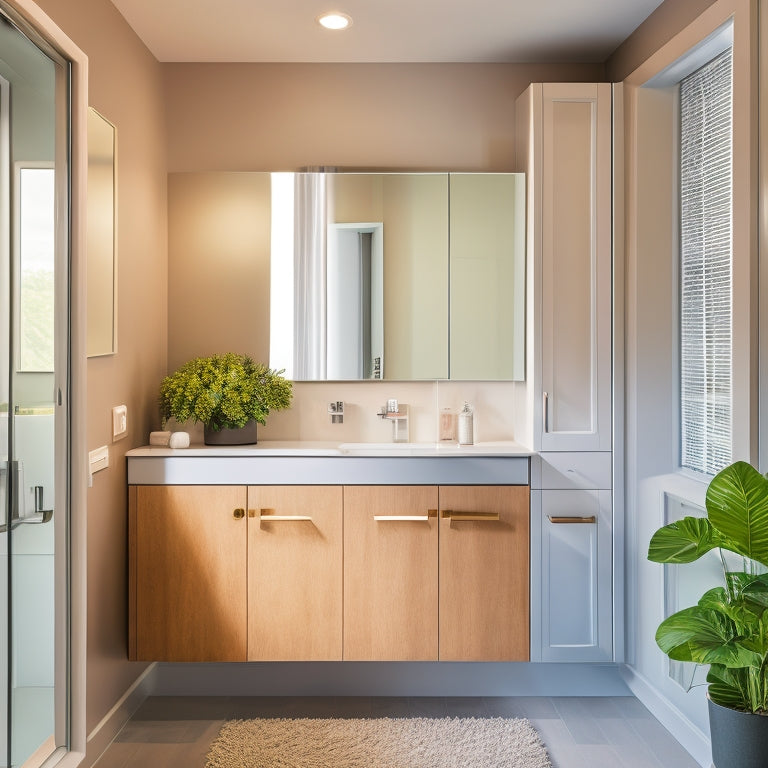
point(328, 552)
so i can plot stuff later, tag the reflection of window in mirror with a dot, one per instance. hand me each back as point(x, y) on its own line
point(101, 240)
point(35, 195)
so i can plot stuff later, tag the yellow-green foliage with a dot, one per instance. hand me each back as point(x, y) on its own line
point(223, 391)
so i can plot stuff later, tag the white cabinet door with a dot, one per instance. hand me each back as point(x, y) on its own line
point(576, 241)
point(571, 609)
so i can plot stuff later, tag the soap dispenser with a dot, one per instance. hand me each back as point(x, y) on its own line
point(466, 425)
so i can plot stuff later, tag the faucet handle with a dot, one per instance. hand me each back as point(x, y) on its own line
point(336, 412)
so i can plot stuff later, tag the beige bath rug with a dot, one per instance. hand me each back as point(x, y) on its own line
point(378, 743)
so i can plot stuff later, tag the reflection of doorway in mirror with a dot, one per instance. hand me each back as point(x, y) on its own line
point(356, 301)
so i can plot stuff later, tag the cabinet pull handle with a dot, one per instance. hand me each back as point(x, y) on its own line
point(545, 412)
point(569, 520)
point(265, 515)
point(469, 517)
point(406, 518)
point(239, 513)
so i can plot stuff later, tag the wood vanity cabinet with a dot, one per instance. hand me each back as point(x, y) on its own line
point(484, 565)
point(294, 573)
point(390, 573)
point(436, 573)
point(213, 579)
point(324, 573)
point(188, 559)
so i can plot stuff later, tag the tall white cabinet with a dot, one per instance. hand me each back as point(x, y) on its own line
point(564, 138)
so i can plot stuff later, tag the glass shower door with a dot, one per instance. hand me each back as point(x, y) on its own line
point(33, 331)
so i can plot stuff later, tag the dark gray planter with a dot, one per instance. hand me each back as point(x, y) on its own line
point(739, 739)
point(243, 436)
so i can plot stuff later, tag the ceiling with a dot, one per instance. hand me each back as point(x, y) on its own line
point(385, 30)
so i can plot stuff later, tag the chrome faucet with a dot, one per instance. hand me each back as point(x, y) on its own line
point(397, 413)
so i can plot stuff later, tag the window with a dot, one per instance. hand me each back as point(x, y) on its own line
point(706, 194)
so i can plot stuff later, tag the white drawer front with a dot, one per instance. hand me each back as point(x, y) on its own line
point(576, 470)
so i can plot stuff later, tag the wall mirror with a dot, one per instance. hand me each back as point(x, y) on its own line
point(395, 276)
point(101, 236)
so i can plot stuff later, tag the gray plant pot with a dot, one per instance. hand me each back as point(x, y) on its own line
point(739, 739)
point(243, 436)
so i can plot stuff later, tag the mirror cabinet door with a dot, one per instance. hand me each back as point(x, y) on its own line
point(368, 275)
point(487, 276)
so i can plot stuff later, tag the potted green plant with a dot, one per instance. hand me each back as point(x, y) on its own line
point(728, 628)
point(229, 394)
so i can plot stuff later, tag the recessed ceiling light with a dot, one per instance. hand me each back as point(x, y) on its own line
point(334, 20)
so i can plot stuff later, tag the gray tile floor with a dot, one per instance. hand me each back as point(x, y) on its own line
point(615, 732)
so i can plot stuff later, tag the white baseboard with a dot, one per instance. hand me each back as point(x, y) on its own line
point(690, 737)
point(350, 678)
point(111, 724)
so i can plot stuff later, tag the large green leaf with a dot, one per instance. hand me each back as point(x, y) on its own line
point(706, 637)
point(728, 688)
point(754, 592)
point(691, 632)
point(737, 506)
point(739, 611)
point(684, 541)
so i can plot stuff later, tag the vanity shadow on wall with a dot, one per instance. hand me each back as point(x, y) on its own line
point(351, 276)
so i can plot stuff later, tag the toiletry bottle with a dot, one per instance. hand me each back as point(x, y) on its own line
point(447, 425)
point(466, 427)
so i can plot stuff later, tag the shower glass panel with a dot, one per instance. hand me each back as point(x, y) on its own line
point(33, 328)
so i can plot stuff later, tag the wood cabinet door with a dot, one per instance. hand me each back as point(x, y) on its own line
point(390, 573)
point(484, 583)
point(188, 565)
point(294, 573)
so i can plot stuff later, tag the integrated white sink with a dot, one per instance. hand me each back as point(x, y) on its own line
point(385, 449)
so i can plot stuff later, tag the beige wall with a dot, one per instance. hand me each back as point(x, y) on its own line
point(218, 260)
point(660, 27)
point(283, 117)
point(125, 86)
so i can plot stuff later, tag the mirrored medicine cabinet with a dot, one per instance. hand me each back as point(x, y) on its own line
point(394, 276)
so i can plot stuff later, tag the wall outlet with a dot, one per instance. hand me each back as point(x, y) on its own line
point(119, 422)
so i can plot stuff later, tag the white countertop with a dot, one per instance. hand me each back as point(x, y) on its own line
point(310, 448)
point(273, 462)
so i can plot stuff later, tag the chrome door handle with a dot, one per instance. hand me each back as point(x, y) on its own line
point(39, 516)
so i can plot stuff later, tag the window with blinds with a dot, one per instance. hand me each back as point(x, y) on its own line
point(705, 272)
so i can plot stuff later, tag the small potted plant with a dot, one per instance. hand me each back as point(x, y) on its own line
point(229, 394)
point(728, 628)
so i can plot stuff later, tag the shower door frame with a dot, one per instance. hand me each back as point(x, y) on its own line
point(70, 384)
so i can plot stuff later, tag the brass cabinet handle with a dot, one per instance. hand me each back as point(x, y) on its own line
point(469, 517)
point(406, 518)
point(267, 516)
point(239, 513)
point(571, 520)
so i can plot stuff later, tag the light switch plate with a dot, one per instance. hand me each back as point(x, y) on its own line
point(119, 422)
point(98, 458)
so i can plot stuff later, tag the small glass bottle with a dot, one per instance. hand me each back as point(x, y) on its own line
point(447, 425)
point(466, 425)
